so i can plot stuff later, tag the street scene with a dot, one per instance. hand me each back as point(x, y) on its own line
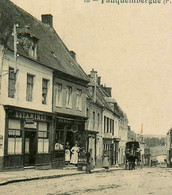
point(85, 98)
point(147, 181)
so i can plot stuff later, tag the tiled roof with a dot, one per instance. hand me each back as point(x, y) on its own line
point(51, 50)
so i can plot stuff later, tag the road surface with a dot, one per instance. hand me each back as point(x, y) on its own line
point(121, 182)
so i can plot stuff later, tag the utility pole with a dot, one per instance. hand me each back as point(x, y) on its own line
point(15, 47)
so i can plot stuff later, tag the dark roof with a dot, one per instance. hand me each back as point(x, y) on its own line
point(52, 52)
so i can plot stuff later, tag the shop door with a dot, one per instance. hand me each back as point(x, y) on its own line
point(30, 148)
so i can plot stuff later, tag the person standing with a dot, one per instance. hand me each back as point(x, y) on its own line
point(67, 153)
point(74, 157)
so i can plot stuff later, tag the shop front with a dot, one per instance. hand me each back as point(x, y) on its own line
point(108, 150)
point(91, 144)
point(69, 135)
point(27, 138)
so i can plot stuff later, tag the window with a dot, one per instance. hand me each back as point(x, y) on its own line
point(58, 94)
point(78, 99)
point(14, 137)
point(69, 97)
point(29, 89)
point(105, 123)
point(87, 113)
point(11, 83)
point(98, 121)
point(33, 49)
point(44, 91)
point(112, 127)
point(93, 120)
point(43, 138)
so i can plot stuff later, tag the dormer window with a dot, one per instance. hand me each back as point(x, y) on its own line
point(33, 50)
point(28, 42)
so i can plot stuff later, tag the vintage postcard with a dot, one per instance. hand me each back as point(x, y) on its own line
point(85, 97)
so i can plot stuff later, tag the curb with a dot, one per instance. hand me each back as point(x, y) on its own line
point(53, 176)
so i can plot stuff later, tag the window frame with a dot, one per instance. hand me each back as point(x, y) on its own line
point(15, 136)
point(45, 136)
point(58, 94)
point(27, 87)
point(69, 95)
point(79, 99)
point(11, 82)
point(44, 89)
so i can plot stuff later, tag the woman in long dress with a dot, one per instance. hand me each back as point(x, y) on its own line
point(74, 157)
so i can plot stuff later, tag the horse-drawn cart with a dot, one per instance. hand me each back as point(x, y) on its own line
point(132, 155)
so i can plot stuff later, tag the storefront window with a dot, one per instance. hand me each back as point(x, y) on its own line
point(43, 138)
point(14, 137)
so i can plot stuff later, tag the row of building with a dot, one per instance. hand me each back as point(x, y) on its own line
point(47, 98)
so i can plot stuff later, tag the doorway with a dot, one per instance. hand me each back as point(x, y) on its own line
point(30, 147)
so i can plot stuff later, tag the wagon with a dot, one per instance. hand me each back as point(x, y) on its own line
point(132, 155)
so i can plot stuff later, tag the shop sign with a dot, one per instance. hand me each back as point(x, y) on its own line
point(30, 125)
point(30, 116)
point(29, 121)
point(70, 122)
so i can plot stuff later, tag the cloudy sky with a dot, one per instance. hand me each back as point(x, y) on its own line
point(129, 45)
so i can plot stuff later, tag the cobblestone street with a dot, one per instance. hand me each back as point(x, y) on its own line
point(141, 181)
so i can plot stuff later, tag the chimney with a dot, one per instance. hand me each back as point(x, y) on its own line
point(99, 80)
point(108, 90)
point(73, 54)
point(47, 19)
point(93, 73)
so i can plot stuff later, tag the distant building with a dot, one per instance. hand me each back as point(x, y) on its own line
point(169, 148)
point(159, 153)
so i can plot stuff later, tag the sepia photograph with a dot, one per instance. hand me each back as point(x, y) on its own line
point(85, 97)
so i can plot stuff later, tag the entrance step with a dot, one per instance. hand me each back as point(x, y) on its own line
point(29, 167)
point(70, 167)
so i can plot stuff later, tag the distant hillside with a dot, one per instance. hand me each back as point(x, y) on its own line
point(150, 136)
point(155, 140)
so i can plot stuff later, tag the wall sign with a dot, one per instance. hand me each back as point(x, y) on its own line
point(30, 117)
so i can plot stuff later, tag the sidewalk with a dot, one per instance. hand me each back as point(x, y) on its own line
point(33, 174)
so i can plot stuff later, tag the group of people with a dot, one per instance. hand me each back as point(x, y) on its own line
point(71, 155)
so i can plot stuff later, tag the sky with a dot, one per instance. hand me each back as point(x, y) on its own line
point(129, 45)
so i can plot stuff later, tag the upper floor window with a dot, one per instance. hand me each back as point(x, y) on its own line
point(44, 90)
point(11, 83)
point(94, 122)
point(105, 123)
point(69, 97)
point(87, 113)
point(112, 127)
point(78, 99)
point(30, 44)
point(58, 94)
point(98, 120)
point(29, 89)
